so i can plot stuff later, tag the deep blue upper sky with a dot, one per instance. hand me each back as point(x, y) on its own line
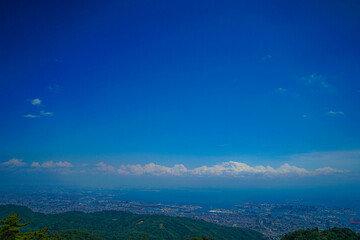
point(179, 82)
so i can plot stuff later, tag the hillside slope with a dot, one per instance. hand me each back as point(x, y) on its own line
point(328, 234)
point(122, 225)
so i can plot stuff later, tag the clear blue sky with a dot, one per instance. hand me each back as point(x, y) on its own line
point(94, 85)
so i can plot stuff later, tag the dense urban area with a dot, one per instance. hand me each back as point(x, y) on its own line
point(271, 219)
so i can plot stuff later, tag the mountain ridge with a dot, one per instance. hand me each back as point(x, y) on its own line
point(122, 225)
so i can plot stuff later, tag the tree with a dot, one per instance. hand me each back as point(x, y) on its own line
point(11, 227)
point(10, 230)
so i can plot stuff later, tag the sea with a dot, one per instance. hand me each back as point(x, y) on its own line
point(343, 197)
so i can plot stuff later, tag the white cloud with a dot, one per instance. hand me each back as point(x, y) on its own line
point(48, 164)
point(31, 116)
point(63, 164)
point(42, 114)
point(234, 169)
point(152, 169)
point(286, 169)
point(36, 101)
point(101, 166)
point(335, 113)
point(14, 162)
point(329, 170)
point(45, 113)
point(52, 164)
point(230, 169)
point(281, 90)
point(35, 164)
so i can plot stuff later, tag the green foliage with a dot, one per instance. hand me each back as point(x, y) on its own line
point(200, 238)
point(11, 227)
point(111, 225)
point(10, 230)
point(78, 235)
point(143, 238)
point(329, 234)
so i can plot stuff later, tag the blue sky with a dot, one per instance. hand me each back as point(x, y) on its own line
point(260, 89)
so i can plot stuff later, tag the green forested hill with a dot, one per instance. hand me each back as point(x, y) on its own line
point(328, 234)
point(122, 225)
point(78, 235)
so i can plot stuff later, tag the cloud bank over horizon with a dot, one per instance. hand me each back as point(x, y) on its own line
point(232, 169)
point(228, 169)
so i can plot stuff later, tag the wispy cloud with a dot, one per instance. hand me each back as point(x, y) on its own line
point(52, 164)
point(54, 88)
point(45, 113)
point(36, 101)
point(335, 113)
point(341, 159)
point(329, 170)
point(42, 114)
point(282, 90)
point(101, 166)
point(14, 162)
point(266, 57)
point(31, 116)
point(317, 79)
